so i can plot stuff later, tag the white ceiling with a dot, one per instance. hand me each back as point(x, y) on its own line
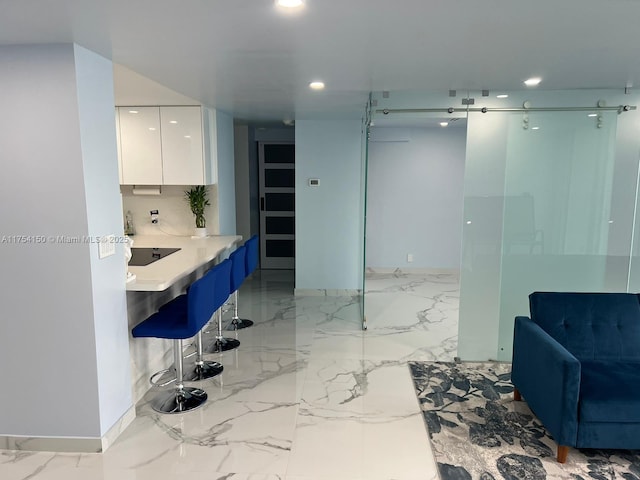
point(249, 58)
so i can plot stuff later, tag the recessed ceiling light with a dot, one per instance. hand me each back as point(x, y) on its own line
point(504, 95)
point(152, 128)
point(289, 3)
point(592, 115)
point(133, 111)
point(316, 85)
point(173, 121)
point(187, 136)
point(444, 124)
point(532, 82)
point(535, 128)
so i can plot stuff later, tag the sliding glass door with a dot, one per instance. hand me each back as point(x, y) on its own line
point(549, 206)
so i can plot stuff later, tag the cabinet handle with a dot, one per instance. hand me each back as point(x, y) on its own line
point(262, 204)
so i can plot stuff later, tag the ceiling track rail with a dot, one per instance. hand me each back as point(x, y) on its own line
point(619, 109)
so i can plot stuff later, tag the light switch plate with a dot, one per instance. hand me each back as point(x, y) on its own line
point(107, 246)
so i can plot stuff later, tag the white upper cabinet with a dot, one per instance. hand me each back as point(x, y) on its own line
point(140, 146)
point(182, 147)
point(167, 145)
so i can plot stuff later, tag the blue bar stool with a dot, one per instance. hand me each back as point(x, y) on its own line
point(201, 369)
point(220, 294)
point(238, 274)
point(178, 324)
point(253, 257)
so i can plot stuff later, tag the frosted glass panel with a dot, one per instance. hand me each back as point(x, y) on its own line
point(541, 212)
point(557, 209)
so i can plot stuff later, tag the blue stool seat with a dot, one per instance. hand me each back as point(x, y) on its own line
point(167, 323)
point(178, 303)
point(238, 274)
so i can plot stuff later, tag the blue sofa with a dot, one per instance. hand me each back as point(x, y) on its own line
point(576, 362)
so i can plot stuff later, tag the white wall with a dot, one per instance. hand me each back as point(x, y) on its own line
point(242, 183)
point(329, 217)
point(415, 197)
point(63, 342)
point(226, 182)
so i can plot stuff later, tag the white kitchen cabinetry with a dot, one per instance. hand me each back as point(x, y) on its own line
point(183, 152)
point(140, 145)
point(182, 147)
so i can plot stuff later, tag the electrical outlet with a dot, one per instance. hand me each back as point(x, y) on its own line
point(107, 246)
point(154, 217)
point(409, 257)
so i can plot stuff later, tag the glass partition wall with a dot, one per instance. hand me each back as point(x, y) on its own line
point(548, 200)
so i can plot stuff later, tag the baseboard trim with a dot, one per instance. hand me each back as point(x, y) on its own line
point(326, 292)
point(405, 270)
point(69, 444)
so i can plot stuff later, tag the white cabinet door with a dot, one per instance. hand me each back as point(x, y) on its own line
point(140, 145)
point(182, 156)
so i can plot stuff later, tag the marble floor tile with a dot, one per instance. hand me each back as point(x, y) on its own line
point(308, 395)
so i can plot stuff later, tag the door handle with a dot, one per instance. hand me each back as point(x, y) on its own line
point(262, 204)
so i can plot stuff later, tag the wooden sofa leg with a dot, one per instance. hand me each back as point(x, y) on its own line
point(516, 395)
point(563, 451)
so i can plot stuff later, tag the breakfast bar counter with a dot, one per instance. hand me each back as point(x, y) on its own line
point(194, 253)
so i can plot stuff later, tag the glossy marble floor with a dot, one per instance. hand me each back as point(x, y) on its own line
point(307, 396)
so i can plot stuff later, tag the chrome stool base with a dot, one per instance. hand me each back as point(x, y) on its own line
point(223, 344)
point(239, 323)
point(203, 371)
point(179, 401)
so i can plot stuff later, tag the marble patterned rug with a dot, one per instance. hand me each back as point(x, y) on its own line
point(477, 431)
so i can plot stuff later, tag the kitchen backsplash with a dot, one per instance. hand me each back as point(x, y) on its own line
point(175, 217)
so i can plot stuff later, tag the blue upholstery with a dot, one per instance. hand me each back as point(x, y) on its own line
point(253, 256)
point(238, 267)
point(222, 288)
point(594, 326)
point(177, 322)
point(610, 392)
point(576, 362)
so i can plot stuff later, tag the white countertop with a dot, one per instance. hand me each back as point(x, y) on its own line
point(193, 253)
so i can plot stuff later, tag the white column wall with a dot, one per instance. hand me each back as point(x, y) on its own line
point(226, 182)
point(94, 76)
point(242, 183)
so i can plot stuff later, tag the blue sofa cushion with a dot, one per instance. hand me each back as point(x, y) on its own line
point(592, 326)
point(610, 392)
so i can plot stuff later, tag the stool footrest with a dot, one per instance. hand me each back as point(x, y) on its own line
point(155, 383)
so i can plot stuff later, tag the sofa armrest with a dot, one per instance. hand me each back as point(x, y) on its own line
point(548, 377)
